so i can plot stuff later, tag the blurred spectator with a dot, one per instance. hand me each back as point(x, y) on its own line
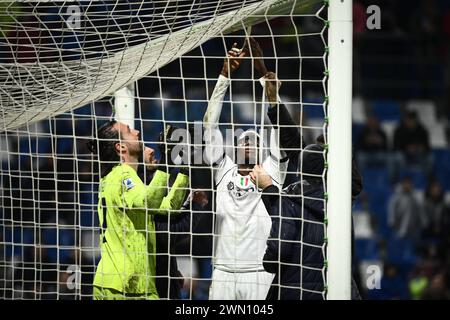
point(436, 211)
point(405, 213)
point(437, 289)
point(420, 275)
point(359, 18)
point(412, 146)
point(426, 19)
point(417, 285)
point(392, 284)
point(372, 145)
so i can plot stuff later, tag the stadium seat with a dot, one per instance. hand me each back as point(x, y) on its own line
point(16, 239)
point(391, 289)
point(366, 249)
point(442, 167)
point(418, 177)
point(313, 108)
point(196, 110)
point(174, 111)
point(375, 179)
point(386, 110)
point(379, 208)
point(56, 240)
point(401, 251)
point(378, 190)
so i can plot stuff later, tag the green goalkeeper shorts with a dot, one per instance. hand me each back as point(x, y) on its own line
point(112, 294)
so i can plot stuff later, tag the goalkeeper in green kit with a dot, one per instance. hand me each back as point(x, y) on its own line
point(126, 208)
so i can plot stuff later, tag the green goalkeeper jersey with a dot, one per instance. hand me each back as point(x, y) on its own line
point(126, 207)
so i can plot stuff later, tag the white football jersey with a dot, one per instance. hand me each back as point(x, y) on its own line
point(242, 224)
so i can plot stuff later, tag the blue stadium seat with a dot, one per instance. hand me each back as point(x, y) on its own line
point(313, 108)
point(395, 288)
point(378, 205)
point(64, 145)
point(15, 240)
point(55, 240)
point(175, 111)
point(442, 167)
point(88, 205)
point(418, 177)
point(49, 236)
point(386, 110)
point(196, 110)
point(366, 249)
point(378, 190)
point(401, 251)
point(375, 179)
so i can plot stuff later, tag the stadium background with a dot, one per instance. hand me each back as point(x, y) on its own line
point(404, 66)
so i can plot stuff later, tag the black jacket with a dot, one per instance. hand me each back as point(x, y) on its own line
point(173, 230)
point(291, 141)
point(295, 265)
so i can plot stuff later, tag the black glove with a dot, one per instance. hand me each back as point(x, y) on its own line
point(165, 147)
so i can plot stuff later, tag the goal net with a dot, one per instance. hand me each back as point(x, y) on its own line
point(68, 67)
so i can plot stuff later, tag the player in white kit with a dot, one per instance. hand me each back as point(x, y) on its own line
point(242, 222)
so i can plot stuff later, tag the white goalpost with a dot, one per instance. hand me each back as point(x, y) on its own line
point(340, 38)
point(67, 67)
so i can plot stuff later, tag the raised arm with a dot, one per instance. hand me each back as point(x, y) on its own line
point(176, 196)
point(181, 223)
point(137, 195)
point(278, 114)
point(211, 119)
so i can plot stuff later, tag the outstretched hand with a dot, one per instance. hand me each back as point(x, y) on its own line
point(233, 60)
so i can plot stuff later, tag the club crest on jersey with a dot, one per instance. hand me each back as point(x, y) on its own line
point(240, 187)
point(128, 183)
point(244, 181)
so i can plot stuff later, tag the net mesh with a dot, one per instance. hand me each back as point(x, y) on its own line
point(60, 64)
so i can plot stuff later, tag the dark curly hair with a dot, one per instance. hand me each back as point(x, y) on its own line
point(104, 147)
